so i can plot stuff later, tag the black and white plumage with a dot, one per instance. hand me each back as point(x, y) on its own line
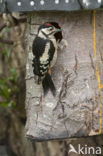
point(45, 54)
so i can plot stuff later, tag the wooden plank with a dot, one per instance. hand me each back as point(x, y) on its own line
point(76, 111)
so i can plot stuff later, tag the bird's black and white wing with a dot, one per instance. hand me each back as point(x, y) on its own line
point(43, 51)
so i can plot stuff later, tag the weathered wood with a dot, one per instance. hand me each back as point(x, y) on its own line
point(75, 111)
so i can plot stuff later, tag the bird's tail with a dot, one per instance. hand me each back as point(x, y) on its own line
point(48, 84)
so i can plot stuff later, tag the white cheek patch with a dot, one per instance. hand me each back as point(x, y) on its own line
point(46, 31)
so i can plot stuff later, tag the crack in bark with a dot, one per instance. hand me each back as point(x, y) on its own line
point(29, 78)
point(32, 97)
point(63, 91)
point(76, 65)
point(62, 95)
point(32, 34)
point(92, 64)
point(36, 119)
point(40, 103)
point(35, 97)
point(101, 56)
point(93, 108)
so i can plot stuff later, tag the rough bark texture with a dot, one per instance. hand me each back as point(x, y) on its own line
point(75, 111)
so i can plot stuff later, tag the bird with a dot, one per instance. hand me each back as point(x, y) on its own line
point(44, 48)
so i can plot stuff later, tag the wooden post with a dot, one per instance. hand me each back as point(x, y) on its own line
point(76, 111)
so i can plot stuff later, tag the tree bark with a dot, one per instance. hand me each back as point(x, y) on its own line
point(76, 111)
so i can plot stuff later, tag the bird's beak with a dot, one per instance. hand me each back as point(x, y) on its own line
point(58, 30)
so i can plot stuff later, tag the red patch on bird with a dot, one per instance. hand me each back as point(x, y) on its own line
point(47, 24)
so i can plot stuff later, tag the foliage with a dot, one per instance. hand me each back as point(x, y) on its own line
point(8, 88)
point(8, 83)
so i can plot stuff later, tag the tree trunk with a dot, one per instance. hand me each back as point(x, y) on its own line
point(76, 111)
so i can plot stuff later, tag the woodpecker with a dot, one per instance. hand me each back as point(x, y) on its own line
point(44, 49)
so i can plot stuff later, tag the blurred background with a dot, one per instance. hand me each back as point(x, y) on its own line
point(12, 98)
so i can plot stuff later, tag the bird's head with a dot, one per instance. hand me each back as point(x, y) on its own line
point(48, 30)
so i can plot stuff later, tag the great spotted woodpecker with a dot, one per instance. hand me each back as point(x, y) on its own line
point(44, 49)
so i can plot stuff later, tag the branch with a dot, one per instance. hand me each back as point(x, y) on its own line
point(6, 41)
point(2, 26)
